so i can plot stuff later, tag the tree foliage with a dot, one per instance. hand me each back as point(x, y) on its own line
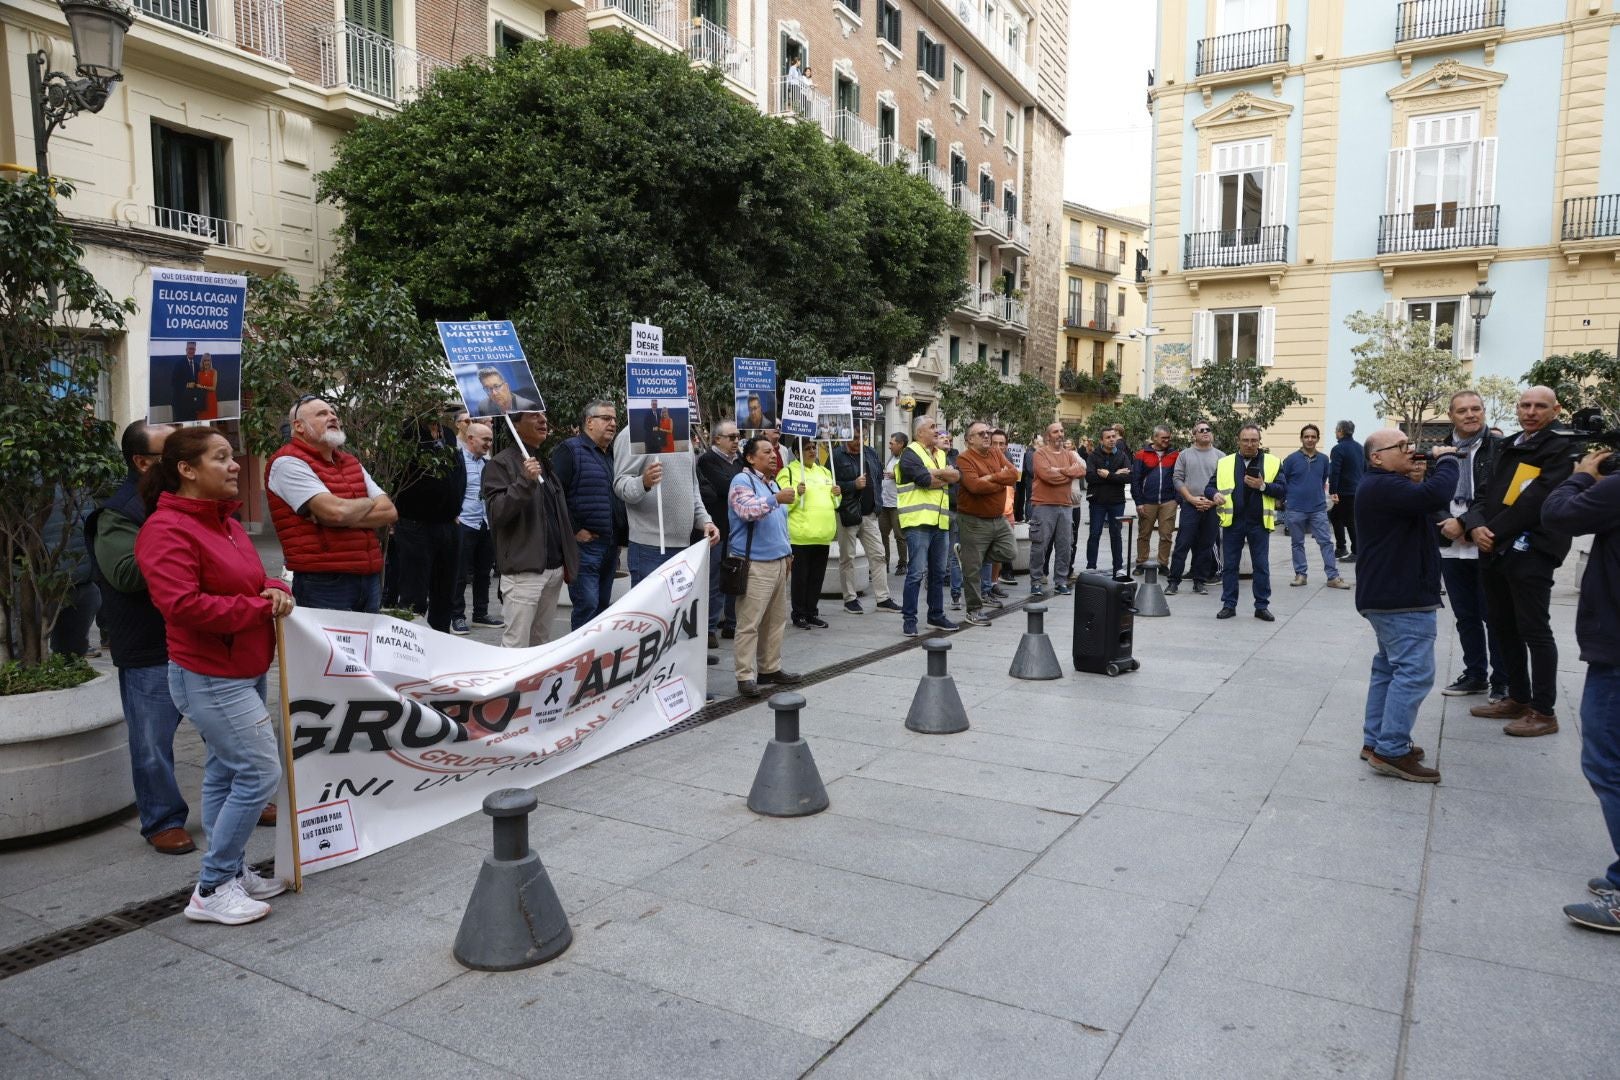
point(360, 347)
point(1588, 380)
point(1501, 397)
point(1411, 378)
point(53, 450)
point(1227, 393)
point(576, 189)
point(976, 391)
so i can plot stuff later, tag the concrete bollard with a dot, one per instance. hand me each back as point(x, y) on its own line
point(1150, 601)
point(787, 783)
point(936, 707)
point(1035, 658)
point(514, 919)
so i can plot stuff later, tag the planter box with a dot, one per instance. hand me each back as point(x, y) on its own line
point(64, 758)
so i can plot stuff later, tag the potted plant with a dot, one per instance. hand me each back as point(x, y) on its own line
point(61, 724)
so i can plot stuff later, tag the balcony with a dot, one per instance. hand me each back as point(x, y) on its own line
point(938, 178)
point(215, 230)
point(1426, 26)
point(855, 133)
point(1010, 310)
point(656, 22)
point(1242, 57)
point(1087, 384)
point(1439, 229)
point(1017, 233)
point(1093, 320)
point(802, 103)
point(993, 40)
point(969, 300)
point(994, 218)
point(1093, 259)
point(258, 27)
point(1235, 247)
point(967, 200)
point(1591, 225)
point(356, 58)
point(709, 43)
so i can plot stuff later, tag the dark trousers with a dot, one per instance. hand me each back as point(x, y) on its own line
point(428, 554)
point(475, 565)
point(1600, 749)
point(1343, 517)
point(809, 567)
point(338, 592)
point(722, 605)
point(1196, 534)
point(71, 632)
point(1518, 595)
point(1465, 588)
point(1105, 514)
point(1258, 537)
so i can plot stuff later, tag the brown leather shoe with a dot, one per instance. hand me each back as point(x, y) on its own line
point(1405, 768)
point(1414, 749)
point(1506, 709)
point(1531, 724)
point(267, 816)
point(172, 842)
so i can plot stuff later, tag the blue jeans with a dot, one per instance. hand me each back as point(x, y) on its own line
point(722, 606)
point(1600, 749)
point(1402, 675)
point(242, 769)
point(1105, 514)
point(1465, 588)
point(152, 718)
point(591, 591)
point(1258, 537)
point(927, 553)
point(338, 592)
point(1195, 535)
point(646, 558)
point(1316, 521)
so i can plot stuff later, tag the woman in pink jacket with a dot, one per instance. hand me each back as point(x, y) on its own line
point(219, 608)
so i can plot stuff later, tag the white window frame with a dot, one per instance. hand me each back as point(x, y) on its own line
point(1463, 343)
point(958, 83)
point(1236, 159)
point(1205, 334)
point(1238, 16)
point(1433, 132)
point(1009, 135)
point(987, 109)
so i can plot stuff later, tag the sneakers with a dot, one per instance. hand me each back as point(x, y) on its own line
point(889, 605)
point(956, 601)
point(854, 607)
point(1337, 583)
point(998, 592)
point(229, 905)
point(1063, 590)
point(714, 640)
point(1036, 592)
point(1506, 709)
point(1199, 589)
point(488, 620)
point(1602, 914)
point(909, 628)
point(1299, 579)
point(991, 602)
point(257, 887)
point(1603, 889)
point(975, 618)
point(1351, 557)
point(728, 633)
point(1171, 589)
point(1498, 693)
point(1411, 748)
point(1464, 687)
point(1531, 724)
point(942, 623)
point(816, 621)
point(1406, 767)
point(460, 627)
point(1226, 613)
point(800, 623)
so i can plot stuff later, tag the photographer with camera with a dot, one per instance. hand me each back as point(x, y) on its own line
point(1589, 502)
point(1520, 555)
point(1460, 559)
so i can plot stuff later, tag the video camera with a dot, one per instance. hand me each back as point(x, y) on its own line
point(1587, 427)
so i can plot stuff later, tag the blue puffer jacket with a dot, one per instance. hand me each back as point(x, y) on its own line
point(586, 475)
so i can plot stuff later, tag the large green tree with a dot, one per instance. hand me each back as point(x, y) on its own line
point(1581, 381)
point(1227, 393)
point(977, 392)
point(576, 189)
point(1408, 366)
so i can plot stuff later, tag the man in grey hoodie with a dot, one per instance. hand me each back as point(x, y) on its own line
point(640, 480)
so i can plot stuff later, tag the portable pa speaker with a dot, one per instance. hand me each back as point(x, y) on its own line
point(1104, 621)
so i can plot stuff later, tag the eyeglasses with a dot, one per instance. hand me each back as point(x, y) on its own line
point(1201, 431)
point(727, 435)
point(1402, 445)
point(976, 434)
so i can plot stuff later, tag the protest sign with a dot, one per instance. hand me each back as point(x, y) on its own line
point(646, 339)
point(194, 346)
point(393, 729)
point(656, 401)
point(801, 403)
point(862, 394)
point(1015, 455)
point(834, 422)
point(691, 396)
point(491, 372)
point(755, 385)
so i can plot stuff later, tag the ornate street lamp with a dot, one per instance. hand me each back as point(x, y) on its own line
point(98, 28)
point(1479, 306)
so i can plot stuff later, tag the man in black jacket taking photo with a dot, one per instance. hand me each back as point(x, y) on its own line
point(1520, 555)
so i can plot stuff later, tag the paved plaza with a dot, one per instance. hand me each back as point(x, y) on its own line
point(1183, 872)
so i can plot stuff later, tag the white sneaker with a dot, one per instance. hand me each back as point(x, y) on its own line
point(259, 888)
point(229, 905)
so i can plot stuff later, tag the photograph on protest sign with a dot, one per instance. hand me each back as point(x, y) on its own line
point(755, 383)
point(801, 406)
point(194, 347)
point(834, 420)
point(862, 395)
point(655, 399)
point(490, 369)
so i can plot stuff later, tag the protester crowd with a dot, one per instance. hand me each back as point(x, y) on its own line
point(1481, 519)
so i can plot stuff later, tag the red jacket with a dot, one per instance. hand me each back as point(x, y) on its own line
point(205, 577)
point(309, 547)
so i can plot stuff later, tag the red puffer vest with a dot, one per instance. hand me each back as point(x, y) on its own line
point(309, 547)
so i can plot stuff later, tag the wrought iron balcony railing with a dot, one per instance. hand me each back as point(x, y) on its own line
point(1438, 228)
point(1249, 49)
point(1235, 247)
point(1591, 216)
point(362, 59)
point(1420, 19)
point(1092, 318)
point(1092, 259)
point(710, 43)
point(214, 230)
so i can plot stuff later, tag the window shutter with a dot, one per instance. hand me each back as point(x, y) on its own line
point(894, 30)
point(939, 61)
point(1462, 334)
point(922, 51)
point(1392, 311)
point(1206, 202)
point(1203, 338)
point(1268, 337)
point(1275, 195)
point(1485, 172)
point(1399, 170)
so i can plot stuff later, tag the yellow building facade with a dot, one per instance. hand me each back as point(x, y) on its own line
point(1100, 347)
point(1314, 158)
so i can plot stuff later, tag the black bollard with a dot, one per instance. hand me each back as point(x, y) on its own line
point(787, 783)
point(514, 919)
point(1150, 601)
point(936, 707)
point(1035, 658)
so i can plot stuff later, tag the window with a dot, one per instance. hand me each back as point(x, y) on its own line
point(987, 109)
point(1441, 311)
point(713, 11)
point(1443, 169)
point(188, 182)
point(1009, 201)
point(930, 56)
point(1099, 305)
point(888, 24)
point(1076, 295)
point(191, 14)
point(888, 134)
point(958, 168)
point(1006, 362)
point(1242, 194)
point(1102, 243)
point(956, 351)
point(371, 66)
point(1121, 307)
point(1244, 333)
point(1071, 359)
point(987, 189)
point(1096, 359)
point(927, 148)
point(1009, 129)
point(984, 353)
point(852, 6)
point(794, 49)
point(959, 84)
point(507, 40)
point(1236, 16)
point(1122, 253)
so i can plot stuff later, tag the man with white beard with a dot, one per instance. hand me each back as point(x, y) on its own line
point(327, 510)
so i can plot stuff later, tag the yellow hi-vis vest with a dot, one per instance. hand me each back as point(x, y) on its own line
point(922, 506)
point(1226, 482)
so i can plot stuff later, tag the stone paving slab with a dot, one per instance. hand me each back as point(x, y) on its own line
point(966, 817)
point(1145, 852)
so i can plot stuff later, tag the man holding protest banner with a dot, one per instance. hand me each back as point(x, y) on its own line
point(327, 509)
point(638, 480)
point(535, 549)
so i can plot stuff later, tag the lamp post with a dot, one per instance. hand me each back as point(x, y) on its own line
point(1479, 306)
point(98, 28)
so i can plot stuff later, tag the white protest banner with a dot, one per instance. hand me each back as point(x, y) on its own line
point(194, 346)
point(801, 401)
point(646, 339)
point(395, 729)
point(1015, 456)
point(834, 420)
